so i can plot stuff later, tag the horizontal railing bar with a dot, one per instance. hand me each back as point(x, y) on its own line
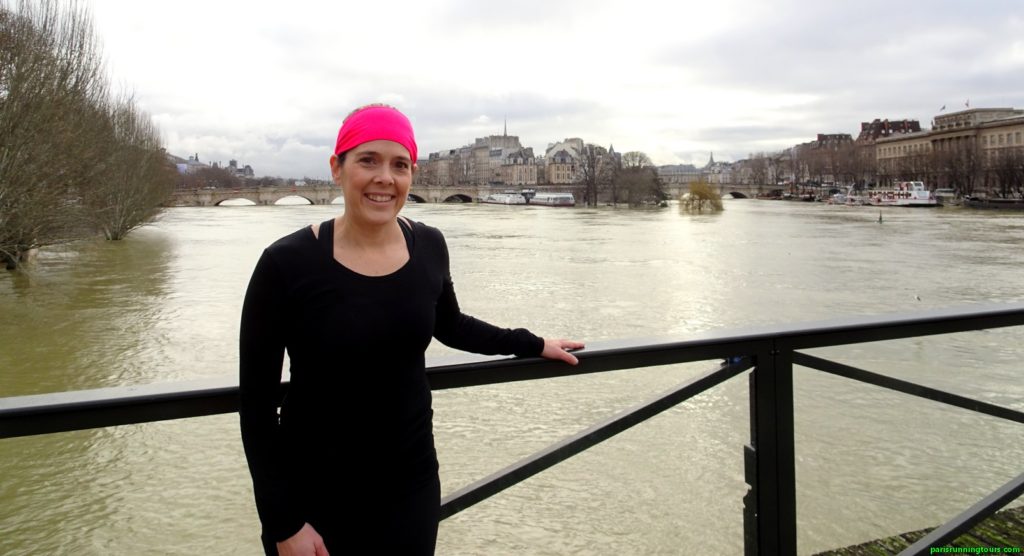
point(67, 411)
point(124, 405)
point(607, 356)
point(127, 405)
point(893, 327)
point(560, 451)
point(616, 355)
point(970, 517)
point(906, 387)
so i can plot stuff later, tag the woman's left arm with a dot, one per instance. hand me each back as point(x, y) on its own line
point(461, 331)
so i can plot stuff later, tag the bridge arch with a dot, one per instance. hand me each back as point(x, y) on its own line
point(251, 201)
point(737, 195)
point(458, 198)
point(294, 196)
point(413, 198)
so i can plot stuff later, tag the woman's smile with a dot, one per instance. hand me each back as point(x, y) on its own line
point(380, 197)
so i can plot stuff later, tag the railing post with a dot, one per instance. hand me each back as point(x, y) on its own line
point(750, 474)
point(769, 461)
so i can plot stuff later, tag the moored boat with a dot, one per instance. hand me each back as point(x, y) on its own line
point(554, 199)
point(837, 199)
point(903, 194)
point(504, 199)
point(994, 203)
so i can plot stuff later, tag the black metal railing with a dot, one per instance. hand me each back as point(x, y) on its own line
point(770, 503)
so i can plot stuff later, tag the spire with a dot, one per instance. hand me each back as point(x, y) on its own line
point(712, 161)
point(505, 132)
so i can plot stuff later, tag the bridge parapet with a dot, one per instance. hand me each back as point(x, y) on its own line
point(325, 195)
point(316, 195)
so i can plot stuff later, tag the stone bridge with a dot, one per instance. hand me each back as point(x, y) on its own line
point(448, 194)
point(326, 194)
point(738, 190)
point(211, 197)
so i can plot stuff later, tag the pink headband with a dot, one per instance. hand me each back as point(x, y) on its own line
point(374, 123)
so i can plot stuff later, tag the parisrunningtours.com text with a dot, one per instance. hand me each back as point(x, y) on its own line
point(975, 550)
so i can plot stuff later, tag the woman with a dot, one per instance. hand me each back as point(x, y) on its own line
point(355, 301)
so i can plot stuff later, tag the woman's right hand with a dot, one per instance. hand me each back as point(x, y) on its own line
point(307, 542)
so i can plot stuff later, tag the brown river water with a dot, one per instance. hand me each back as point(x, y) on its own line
point(163, 306)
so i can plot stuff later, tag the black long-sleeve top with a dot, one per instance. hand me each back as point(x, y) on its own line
point(356, 422)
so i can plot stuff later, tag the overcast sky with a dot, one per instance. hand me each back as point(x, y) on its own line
point(268, 82)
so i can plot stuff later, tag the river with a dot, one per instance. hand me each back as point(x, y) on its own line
point(163, 306)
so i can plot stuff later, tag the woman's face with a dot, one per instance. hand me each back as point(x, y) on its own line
point(375, 177)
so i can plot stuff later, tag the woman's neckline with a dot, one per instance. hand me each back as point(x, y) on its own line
point(329, 243)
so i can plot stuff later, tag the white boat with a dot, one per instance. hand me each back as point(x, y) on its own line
point(856, 197)
point(837, 199)
point(903, 194)
point(554, 199)
point(504, 199)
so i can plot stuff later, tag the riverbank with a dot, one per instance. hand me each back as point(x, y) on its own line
point(1004, 530)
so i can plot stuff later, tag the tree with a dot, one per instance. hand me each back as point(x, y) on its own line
point(639, 178)
point(816, 161)
point(592, 172)
point(701, 197)
point(220, 178)
point(636, 159)
point(51, 102)
point(776, 167)
point(137, 176)
point(864, 168)
point(70, 156)
point(1007, 171)
point(758, 166)
point(961, 166)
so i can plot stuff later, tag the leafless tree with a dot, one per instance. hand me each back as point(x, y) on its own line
point(137, 176)
point(52, 92)
point(758, 165)
point(961, 166)
point(639, 178)
point(845, 164)
point(636, 159)
point(865, 165)
point(795, 165)
point(593, 172)
point(776, 168)
point(220, 178)
point(1007, 172)
point(816, 162)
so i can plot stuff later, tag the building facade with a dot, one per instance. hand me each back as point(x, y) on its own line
point(965, 150)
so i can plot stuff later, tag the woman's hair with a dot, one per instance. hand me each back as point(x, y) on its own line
point(364, 107)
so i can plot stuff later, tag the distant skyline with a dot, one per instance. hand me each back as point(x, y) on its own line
point(268, 85)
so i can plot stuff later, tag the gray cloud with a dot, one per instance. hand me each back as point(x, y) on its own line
point(842, 64)
point(866, 59)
